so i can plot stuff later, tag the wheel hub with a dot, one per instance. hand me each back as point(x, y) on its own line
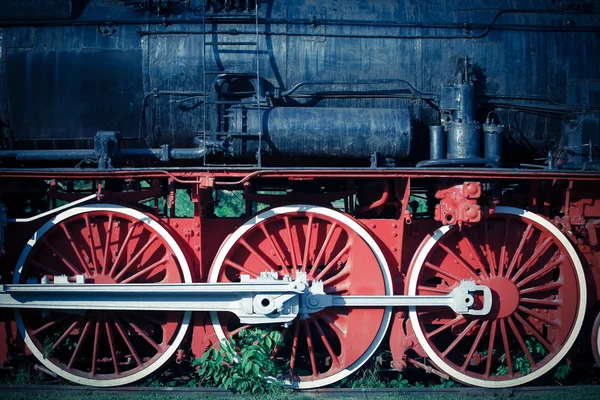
point(505, 296)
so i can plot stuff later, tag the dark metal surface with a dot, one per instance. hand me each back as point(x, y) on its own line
point(332, 132)
point(66, 79)
point(437, 142)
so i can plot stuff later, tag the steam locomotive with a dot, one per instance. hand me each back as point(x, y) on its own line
point(416, 176)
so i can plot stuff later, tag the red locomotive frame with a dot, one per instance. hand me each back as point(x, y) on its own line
point(470, 231)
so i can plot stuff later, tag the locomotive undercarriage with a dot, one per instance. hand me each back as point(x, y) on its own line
point(358, 235)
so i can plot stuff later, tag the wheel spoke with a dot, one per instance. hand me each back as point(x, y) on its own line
point(95, 349)
point(445, 326)
point(506, 346)
point(534, 332)
point(311, 350)
point(123, 249)
point(328, 318)
point(543, 288)
point(91, 244)
point(520, 340)
point(334, 261)
point(135, 257)
point(488, 252)
point(257, 255)
point(323, 249)
point(66, 333)
point(51, 324)
point(75, 249)
point(292, 247)
point(460, 337)
point(539, 251)
point(62, 257)
point(459, 260)
point(111, 344)
point(334, 359)
point(147, 269)
point(443, 272)
point(275, 247)
point(490, 349)
point(294, 348)
point(79, 344)
point(107, 244)
point(475, 344)
point(539, 302)
point(503, 252)
point(422, 288)
point(517, 254)
point(537, 316)
point(46, 268)
point(307, 244)
point(240, 268)
point(143, 334)
point(548, 268)
point(128, 343)
point(238, 330)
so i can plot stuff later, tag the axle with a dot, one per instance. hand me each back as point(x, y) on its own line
point(265, 299)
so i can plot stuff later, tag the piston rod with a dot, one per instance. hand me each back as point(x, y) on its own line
point(265, 299)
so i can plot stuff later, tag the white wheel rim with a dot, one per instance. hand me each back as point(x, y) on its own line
point(178, 254)
point(412, 289)
point(355, 226)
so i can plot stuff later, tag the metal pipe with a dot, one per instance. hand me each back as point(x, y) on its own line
point(437, 142)
point(411, 88)
point(164, 153)
point(378, 203)
point(457, 161)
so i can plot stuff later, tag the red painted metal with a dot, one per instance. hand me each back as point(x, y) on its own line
point(397, 232)
point(332, 340)
point(105, 247)
point(534, 289)
point(458, 204)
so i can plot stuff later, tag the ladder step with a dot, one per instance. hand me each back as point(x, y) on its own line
point(230, 44)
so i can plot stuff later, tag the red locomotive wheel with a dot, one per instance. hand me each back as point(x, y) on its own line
point(331, 247)
point(105, 244)
point(538, 291)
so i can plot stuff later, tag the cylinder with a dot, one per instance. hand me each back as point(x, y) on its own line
point(437, 144)
point(463, 140)
point(493, 141)
point(331, 132)
point(466, 111)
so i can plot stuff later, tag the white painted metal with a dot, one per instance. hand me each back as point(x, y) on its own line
point(253, 300)
point(177, 253)
point(361, 232)
point(54, 210)
point(582, 296)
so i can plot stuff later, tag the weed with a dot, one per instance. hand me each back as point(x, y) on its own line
point(244, 366)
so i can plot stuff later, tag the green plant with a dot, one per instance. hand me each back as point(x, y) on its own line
point(561, 372)
point(243, 364)
point(520, 362)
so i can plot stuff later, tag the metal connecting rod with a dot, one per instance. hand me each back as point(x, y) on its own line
point(461, 300)
point(265, 299)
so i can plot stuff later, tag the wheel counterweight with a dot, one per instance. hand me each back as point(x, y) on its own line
point(538, 290)
point(329, 246)
point(104, 243)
